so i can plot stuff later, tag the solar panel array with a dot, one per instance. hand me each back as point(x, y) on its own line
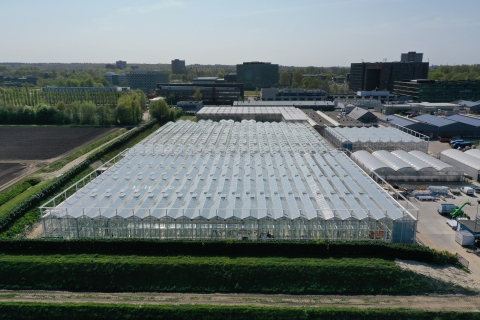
point(233, 170)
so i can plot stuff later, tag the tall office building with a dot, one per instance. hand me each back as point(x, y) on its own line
point(121, 64)
point(369, 76)
point(411, 56)
point(178, 66)
point(258, 75)
point(438, 91)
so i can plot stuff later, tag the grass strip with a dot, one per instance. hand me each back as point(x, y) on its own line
point(17, 188)
point(105, 273)
point(81, 311)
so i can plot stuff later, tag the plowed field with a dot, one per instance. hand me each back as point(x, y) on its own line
point(41, 143)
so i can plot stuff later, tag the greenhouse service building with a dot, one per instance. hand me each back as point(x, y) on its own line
point(230, 180)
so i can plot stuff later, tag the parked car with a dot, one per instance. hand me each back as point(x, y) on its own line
point(476, 189)
point(462, 145)
point(467, 190)
point(452, 142)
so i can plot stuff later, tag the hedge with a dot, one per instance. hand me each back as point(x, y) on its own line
point(81, 311)
point(55, 186)
point(304, 249)
point(272, 275)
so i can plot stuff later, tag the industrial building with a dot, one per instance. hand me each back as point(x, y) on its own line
point(375, 138)
point(146, 80)
point(416, 108)
point(469, 121)
point(273, 94)
point(462, 160)
point(362, 115)
point(258, 75)
point(230, 180)
point(315, 105)
point(444, 127)
point(271, 114)
point(212, 93)
point(400, 165)
point(438, 91)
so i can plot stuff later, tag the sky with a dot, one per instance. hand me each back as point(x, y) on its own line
point(286, 32)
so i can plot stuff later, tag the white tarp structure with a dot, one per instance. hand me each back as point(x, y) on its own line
point(400, 165)
point(465, 162)
point(230, 180)
point(375, 138)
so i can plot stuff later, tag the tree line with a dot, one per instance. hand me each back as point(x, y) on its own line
point(460, 72)
point(25, 106)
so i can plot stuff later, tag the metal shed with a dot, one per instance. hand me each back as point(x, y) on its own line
point(467, 120)
point(465, 162)
point(404, 123)
point(445, 127)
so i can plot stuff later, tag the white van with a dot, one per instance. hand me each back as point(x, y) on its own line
point(467, 190)
point(446, 208)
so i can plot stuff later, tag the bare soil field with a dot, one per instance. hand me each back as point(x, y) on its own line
point(25, 149)
point(9, 171)
point(41, 143)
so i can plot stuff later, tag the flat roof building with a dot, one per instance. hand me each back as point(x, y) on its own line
point(258, 75)
point(438, 91)
point(274, 94)
point(212, 94)
point(146, 80)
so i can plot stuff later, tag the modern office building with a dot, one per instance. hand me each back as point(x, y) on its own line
point(116, 79)
point(438, 91)
point(258, 75)
point(146, 80)
point(273, 94)
point(411, 56)
point(212, 93)
point(207, 80)
point(121, 64)
point(368, 76)
point(178, 66)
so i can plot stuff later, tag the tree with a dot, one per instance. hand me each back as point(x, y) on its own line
point(159, 110)
point(297, 79)
point(197, 96)
point(284, 79)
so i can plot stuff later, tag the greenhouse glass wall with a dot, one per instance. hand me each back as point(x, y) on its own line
point(375, 138)
point(230, 180)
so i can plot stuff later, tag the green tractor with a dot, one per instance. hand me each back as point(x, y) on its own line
point(458, 213)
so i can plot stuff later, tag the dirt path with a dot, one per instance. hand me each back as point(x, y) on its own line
point(430, 303)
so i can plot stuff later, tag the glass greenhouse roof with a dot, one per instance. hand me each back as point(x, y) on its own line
point(232, 170)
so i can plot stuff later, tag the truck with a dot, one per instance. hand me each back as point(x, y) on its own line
point(446, 208)
point(468, 191)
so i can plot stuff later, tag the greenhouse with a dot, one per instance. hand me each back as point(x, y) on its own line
point(473, 152)
point(230, 180)
point(375, 138)
point(401, 167)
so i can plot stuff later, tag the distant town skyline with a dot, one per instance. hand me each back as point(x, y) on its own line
point(288, 33)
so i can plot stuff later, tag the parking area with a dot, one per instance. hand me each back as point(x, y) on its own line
point(432, 229)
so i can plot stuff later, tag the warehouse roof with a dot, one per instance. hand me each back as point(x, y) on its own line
point(434, 120)
point(473, 121)
point(399, 121)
